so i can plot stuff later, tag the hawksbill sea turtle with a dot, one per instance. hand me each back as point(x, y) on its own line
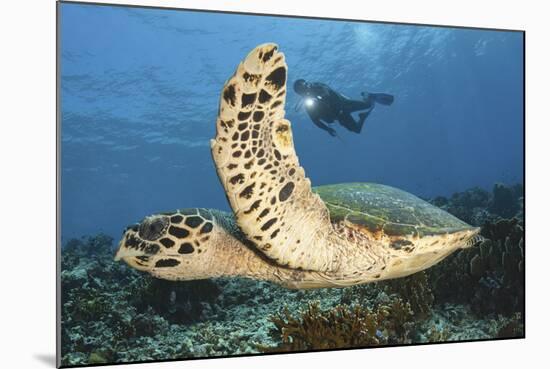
point(283, 230)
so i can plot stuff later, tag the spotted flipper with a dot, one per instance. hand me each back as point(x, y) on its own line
point(258, 167)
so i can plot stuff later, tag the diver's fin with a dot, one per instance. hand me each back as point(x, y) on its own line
point(384, 99)
point(380, 98)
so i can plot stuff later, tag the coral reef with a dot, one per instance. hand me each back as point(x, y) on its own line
point(112, 313)
point(505, 201)
point(105, 303)
point(456, 322)
point(490, 276)
point(439, 334)
point(176, 301)
point(341, 326)
point(415, 290)
point(465, 205)
point(475, 206)
point(510, 327)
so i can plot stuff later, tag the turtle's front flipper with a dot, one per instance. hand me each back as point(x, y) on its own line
point(258, 167)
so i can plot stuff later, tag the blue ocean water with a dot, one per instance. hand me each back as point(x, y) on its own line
point(140, 91)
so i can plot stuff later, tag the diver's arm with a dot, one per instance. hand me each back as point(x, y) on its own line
point(322, 125)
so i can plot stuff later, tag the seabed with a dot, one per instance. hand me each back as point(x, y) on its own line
point(112, 313)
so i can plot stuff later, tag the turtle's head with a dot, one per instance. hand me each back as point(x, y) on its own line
point(141, 241)
point(170, 242)
point(190, 244)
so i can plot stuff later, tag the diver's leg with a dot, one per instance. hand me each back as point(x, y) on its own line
point(368, 98)
point(347, 121)
point(351, 106)
point(363, 116)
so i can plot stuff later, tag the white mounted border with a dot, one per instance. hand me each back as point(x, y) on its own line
point(27, 149)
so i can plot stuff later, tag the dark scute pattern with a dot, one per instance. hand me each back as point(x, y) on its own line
point(268, 224)
point(264, 97)
point(166, 242)
point(258, 116)
point(178, 232)
point(248, 99)
point(268, 55)
point(286, 191)
point(189, 211)
point(277, 77)
point(186, 248)
point(193, 222)
point(152, 249)
point(248, 191)
point(275, 104)
point(244, 115)
point(239, 178)
point(165, 263)
point(275, 232)
point(263, 213)
point(176, 219)
point(207, 227)
point(255, 205)
point(229, 95)
point(132, 242)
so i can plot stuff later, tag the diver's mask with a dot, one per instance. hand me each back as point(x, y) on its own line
point(302, 88)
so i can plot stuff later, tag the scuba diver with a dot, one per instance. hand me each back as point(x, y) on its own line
point(324, 105)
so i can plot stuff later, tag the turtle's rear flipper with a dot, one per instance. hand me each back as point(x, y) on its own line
point(259, 170)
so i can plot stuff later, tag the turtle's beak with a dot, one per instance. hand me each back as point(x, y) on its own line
point(474, 238)
point(134, 257)
point(124, 251)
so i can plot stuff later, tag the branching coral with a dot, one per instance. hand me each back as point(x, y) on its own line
point(415, 290)
point(399, 321)
point(341, 327)
point(490, 277)
point(336, 328)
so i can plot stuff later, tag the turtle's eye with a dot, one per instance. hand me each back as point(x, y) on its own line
point(133, 227)
point(153, 227)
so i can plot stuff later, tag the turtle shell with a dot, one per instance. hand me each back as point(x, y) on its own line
point(377, 208)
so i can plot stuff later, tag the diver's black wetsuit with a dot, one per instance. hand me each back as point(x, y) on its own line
point(324, 105)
